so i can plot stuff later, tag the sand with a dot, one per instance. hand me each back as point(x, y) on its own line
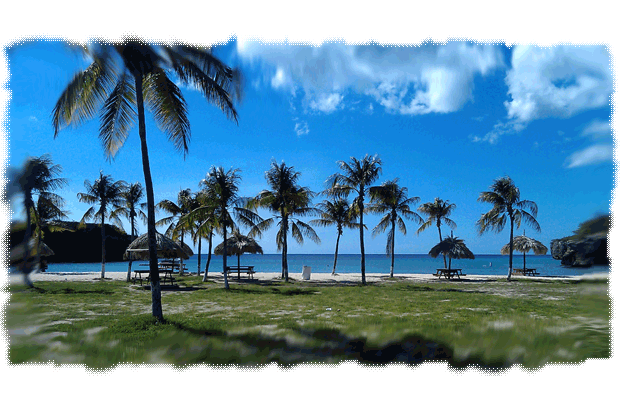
point(319, 278)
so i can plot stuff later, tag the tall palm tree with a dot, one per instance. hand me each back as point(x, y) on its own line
point(203, 221)
point(507, 206)
point(222, 200)
point(39, 176)
point(108, 194)
point(288, 201)
point(177, 228)
point(392, 199)
point(337, 213)
point(356, 176)
point(436, 213)
point(131, 209)
point(126, 76)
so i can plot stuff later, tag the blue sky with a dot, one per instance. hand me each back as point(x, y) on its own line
point(445, 119)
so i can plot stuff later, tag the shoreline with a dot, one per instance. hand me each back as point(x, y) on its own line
point(318, 278)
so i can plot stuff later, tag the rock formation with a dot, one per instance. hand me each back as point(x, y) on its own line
point(591, 250)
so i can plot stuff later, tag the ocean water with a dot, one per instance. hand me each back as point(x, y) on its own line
point(350, 264)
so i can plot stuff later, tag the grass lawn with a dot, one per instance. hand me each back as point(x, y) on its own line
point(493, 324)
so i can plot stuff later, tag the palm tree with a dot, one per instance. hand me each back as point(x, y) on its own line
point(202, 219)
point(356, 176)
point(47, 213)
point(288, 201)
point(220, 189)
point(109, 195)
point(392, 199)
point(131, 209)
point(437, 212)
point(176, 227)
point(124, 77)
point(39, 176)
point(337, 213)
point(507, 206)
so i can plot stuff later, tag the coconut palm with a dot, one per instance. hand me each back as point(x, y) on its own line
point(202, 218)
point(130, 209)
point(177, 228)
point(337, 213)
point(108, 194)
point(356, 176)
point(47, 214)
point(392, 199)
point(453, 248)
point(525, 244)
point(288, 201)
point(222, 203)
point(38, 177)
point(437, 212)
point(507, 206)
point(124, 77)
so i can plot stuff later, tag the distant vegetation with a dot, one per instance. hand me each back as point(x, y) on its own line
point(597, 225)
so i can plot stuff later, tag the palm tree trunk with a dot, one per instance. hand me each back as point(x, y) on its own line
point(445, 264)
point(150, 206)
point(102, 242)
point(336, 253)
point(224, 262)
point(285, 250)
point(204, 278)
point(133, 237)
point(511, 247)
point(199, 255)
point(238, 266)
point(523, 262)
point(393, 239)
point(450, 264)
point(27, 264)
point(363, 260)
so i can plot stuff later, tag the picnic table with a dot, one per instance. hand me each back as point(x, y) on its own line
point(165, 274)
point(245, 269)
point(526, 272)
point(449, 273)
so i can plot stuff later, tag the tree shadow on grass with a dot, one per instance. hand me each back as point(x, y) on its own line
point(71, 291)
point(324, 345)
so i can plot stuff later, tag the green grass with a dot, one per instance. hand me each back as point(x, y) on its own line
point(492, 324)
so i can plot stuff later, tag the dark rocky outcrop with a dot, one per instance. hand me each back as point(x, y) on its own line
point(81, 244)
point(591, 250)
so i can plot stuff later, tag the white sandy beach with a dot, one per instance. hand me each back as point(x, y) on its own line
point(319, 278)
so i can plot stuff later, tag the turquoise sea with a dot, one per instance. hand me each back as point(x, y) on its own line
point(350, 263)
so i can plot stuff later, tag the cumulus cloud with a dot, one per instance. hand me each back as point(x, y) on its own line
point(560, 81)
point(404, 80)
point(592, 155)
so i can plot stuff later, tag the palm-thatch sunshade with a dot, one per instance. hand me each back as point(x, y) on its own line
point(525, 244)
point(453, 248)
point(186, 249)
point(166, 248)
point(238, 244)
point(18, 252)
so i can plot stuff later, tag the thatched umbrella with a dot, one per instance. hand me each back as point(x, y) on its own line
point(238, 244)
point(166, 248)
point(453, 248)
point(525, 244)
point(188, 252)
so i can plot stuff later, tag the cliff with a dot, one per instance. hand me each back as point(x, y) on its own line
point(587, 247)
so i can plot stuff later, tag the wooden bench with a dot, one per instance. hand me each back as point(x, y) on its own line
point(245, 269)
point(525, 272)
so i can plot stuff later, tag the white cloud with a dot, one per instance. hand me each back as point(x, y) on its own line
point(597, 128)
point(33, 118)
point(560, 81)
point(326, 103)
point(405, 80)
point(499, 129)
point(301, 128)
point(591, 155)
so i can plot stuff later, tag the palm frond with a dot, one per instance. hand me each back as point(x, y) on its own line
point(165, 100)
point(118, 116)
